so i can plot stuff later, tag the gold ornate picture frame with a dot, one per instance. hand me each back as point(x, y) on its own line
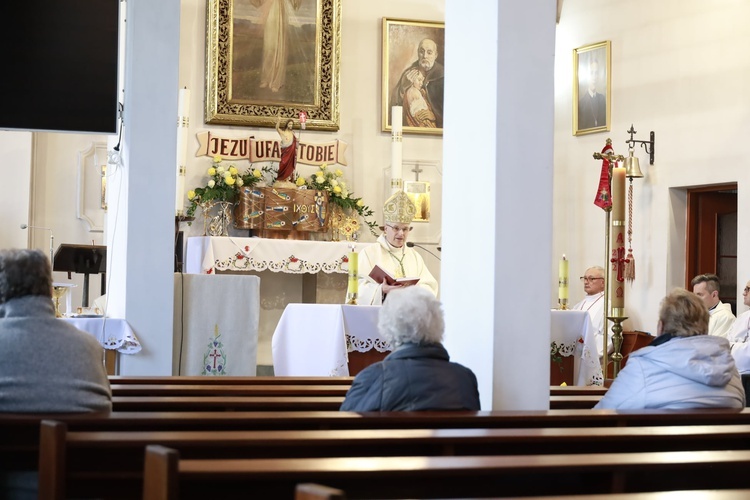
point(592, 88)
point(412, 68)
point(266, 58)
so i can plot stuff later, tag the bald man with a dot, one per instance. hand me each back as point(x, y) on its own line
point(427, 64)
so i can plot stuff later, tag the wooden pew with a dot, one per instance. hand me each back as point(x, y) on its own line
point(228, 390)
point(19, 434)
point(207, 402)
point(226, 403)
point(192, 380)
point(166, 476)
point(234, 389)
point(90, 462)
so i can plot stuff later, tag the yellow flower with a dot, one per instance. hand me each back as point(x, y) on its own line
point(257, 173)
point(320, 179)
point(339, 173)
point(324, 166)
point(217, 159)
point(232, 170)
point(211, 172)
point(336, 189)
point(191, 194)
point(360, 203)
point(300, 181)
point(229, 180)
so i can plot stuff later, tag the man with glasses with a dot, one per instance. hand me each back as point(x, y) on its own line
point(738, 336)
point(391, 253)
point(593, 303)
point(706, 286)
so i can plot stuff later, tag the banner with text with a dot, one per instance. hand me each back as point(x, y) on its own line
point(255, 150)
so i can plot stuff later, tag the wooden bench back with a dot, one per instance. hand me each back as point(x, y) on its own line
point(166, 476)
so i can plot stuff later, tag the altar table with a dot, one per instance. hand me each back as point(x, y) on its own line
point(112, 333)
point(209, 254)
point(316, 339)
point(291, 271)
point(574, 335)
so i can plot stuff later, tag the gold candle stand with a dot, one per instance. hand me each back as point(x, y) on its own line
point(562, 304)
point(616, 340)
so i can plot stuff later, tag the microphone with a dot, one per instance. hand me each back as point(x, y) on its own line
point(51, 240)
point(412, 245)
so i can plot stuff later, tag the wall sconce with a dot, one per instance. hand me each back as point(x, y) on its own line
point(631, 164)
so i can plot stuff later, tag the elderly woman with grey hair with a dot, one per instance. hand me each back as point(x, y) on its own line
point(683, 368)
point(418, 374)
point(46, 364)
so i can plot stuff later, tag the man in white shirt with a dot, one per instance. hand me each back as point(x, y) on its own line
point(738, 336)
point(706, 286)
point(593, 303)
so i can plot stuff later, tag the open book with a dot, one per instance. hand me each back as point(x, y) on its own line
point(380, 275)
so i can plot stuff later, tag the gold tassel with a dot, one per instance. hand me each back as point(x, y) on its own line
point(630, 266)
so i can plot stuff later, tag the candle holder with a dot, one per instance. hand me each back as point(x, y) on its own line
point(616, 342)
point(562, 304)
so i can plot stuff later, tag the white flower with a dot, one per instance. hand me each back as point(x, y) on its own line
point(211, 183)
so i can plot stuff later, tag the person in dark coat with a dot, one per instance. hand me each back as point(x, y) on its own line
point(418, 374)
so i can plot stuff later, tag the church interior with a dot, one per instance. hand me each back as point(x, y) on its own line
point(528, 171)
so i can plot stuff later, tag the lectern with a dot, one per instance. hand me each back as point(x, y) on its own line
point(82, 259)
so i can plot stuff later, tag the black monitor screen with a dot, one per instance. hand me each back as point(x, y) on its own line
point(59, 70)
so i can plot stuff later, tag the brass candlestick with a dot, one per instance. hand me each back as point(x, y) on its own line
point(616, 341)
point(562, 304)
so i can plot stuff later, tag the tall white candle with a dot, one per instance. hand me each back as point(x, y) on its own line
point(183, 123)
point(396, 147)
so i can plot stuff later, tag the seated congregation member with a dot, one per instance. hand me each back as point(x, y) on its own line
point(418, 374)
point(682, 368)
point(391, 253)
point(738, 336)
point(46, 364)
point(706, 286)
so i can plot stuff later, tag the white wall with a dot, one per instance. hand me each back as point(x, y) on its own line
point(15, 165)
point(680, 68)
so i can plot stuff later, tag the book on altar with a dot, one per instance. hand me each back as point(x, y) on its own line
point(380, 275)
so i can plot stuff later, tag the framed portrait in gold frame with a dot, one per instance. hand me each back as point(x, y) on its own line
point(269, 58)
point(592, 88)
point(413, 71)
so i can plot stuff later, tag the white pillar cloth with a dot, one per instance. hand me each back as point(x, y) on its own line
point(215, 324)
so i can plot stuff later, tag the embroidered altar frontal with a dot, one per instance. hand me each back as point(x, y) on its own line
point(282, 209)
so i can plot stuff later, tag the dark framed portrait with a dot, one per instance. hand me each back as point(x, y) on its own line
point(413, 71)
point(592, 88)
point(266, 58)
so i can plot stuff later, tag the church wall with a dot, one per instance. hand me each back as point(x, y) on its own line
point(681, 69)
point(15, 161)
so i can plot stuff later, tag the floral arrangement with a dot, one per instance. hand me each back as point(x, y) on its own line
point(223, 184)
point(338, 193)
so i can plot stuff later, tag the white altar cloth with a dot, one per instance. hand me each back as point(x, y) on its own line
point(215, 325)
point(574, 335)
point(208, 254)
point(111, 333)
point(313, 339)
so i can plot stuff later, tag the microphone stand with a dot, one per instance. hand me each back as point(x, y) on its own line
point(412, 245)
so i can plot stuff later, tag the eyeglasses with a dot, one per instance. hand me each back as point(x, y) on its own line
point(589, 278)
point(399, 229)
point(747, 289)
